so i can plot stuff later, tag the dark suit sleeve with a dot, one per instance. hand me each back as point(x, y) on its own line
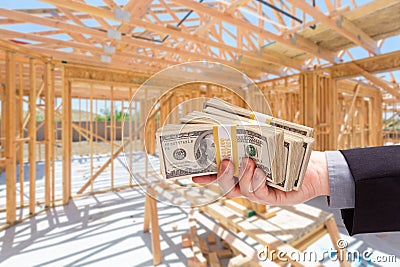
point(376, 173)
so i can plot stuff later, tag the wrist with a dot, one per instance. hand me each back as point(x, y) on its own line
point(321, 164)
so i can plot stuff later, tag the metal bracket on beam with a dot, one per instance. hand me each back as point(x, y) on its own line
point(109, 49)
point(105, 58)
point(293, 38)
point(122, 15)
point(114, 34)
point(239, 60)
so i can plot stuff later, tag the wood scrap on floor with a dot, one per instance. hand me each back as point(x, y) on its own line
point(199, 258)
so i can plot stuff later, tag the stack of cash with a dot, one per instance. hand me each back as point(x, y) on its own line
point(221, 131)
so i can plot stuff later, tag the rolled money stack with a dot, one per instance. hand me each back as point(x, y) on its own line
point(196, 147)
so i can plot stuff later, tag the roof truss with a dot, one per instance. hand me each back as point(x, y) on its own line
point(257, 37)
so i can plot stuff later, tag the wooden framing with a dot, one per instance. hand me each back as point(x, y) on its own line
point(341, 25)
point(68, 81)
point(49, 126)
point(325, 104)
point(373, 65)
point(227, 222)
point(254, 57)
point(151, 219)
point(66, 138)
point(50, 96)
point(32, 137)
point(10, 125)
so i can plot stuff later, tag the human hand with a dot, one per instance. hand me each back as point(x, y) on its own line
point(252, 184)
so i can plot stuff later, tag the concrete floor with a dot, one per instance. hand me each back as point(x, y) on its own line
point(106, 229)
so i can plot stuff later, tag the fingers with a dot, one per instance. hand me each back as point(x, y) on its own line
point(264, 193)
point(226, 180)
point(259, 186)
point(205, 179)
point(252, 182)
point(245, 177)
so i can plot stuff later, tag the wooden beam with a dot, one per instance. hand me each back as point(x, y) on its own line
point(49, 127)
point(11, 46)
point(10, 151)
point(111, 4)
point(147, 214)
point(235, 5)
point(32, 136)
point(98, 12)
point(137, 9)
point(361, 67)
point(155, 229)
point(294, 41)
point(20, 134)
point(342, 25)
point(84, 46)
point(395, 92)
point(66, 138)
point(75, 36)
point(334, 235)
point(377, 64)
point(126, 39)
point(370, 7)
point(349, 113)
point(102, 168)
point(8, 21)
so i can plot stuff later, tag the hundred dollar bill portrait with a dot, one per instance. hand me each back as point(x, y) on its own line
point(205, 150)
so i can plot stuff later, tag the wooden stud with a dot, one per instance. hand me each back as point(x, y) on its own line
point(112, 134)
point(66, 139)
point(32, 136)
point(335, 237)
point(10, 153)
point(52, 137)
point(91, 129)
point(155, 230)
point(20, 145)
point(48, 135)
point(147, 214)
point(349, 113)
point(131, 138)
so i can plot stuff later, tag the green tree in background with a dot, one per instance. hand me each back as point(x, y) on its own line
point(119, 115)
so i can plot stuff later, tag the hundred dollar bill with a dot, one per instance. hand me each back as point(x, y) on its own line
point(308, 144)
point(224, 108)
point(278, 163)
point(292, 158)
point(192, 150)
point(293, 129)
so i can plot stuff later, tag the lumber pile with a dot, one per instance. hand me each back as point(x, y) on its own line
point(206, 251)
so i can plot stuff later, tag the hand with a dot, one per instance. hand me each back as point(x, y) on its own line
point(252, 184)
